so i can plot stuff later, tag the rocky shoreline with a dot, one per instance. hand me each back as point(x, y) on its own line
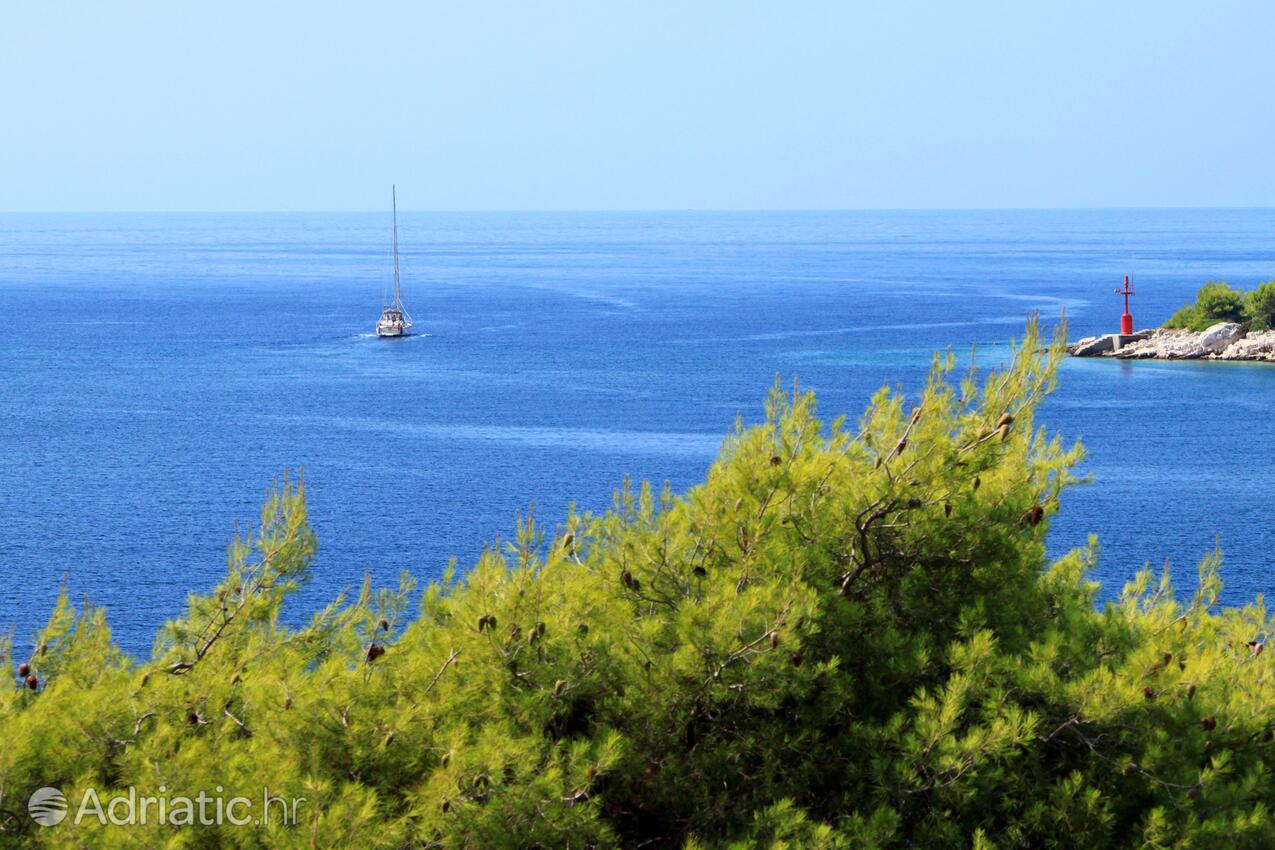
point(1223, 341)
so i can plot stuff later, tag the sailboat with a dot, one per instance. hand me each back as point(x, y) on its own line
point(394, 319)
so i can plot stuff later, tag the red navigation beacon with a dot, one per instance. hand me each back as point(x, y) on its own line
point(1126, 320)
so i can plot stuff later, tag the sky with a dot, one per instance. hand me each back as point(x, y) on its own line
point(697, 104)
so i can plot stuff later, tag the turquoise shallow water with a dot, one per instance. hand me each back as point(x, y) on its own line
point(159, 371)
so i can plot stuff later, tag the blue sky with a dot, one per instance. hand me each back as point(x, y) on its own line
point(634, 105)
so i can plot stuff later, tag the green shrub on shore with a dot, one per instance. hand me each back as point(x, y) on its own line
point(843, 638)
point(1215, 302)
point(1261, 306)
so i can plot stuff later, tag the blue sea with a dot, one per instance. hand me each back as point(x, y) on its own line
point(159, 371)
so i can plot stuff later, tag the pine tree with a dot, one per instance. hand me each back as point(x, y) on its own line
point(846, 636)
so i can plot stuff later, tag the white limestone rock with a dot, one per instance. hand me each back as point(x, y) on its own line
point(1222, 341)
point(1091, 346)
point(1165, 344)
point(1254, 346)
point(1217, 337)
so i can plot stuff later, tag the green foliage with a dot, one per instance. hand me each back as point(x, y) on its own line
point(1215, 302)
point(843, 638)
point(1261, 306)
point(1187, 317)
point(1218, 302)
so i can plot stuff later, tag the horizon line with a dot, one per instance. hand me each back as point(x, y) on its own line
point(641, 210)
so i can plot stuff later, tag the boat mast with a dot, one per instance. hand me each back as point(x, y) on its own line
point(398, 298)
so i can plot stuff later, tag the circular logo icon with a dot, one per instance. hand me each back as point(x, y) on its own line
point(47, 806)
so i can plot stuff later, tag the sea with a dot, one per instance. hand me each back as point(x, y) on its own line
point(159, 371)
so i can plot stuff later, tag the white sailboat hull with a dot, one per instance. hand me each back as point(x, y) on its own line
point(394, 322)
point(392, 330)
